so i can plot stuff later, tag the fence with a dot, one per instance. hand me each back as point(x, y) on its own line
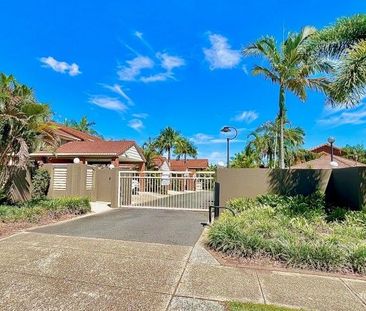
point(342, 187)
point(158, 189)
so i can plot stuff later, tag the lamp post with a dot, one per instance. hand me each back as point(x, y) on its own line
point(229, 129)
point(331, 141)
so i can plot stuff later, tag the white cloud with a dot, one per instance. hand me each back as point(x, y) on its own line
point(169, 62)
point(60, 66)
point(116, 88)
point(136, 124)
point(353, 116)
point(204, 139)
point(156, 77)
point(140, 115)
point(134, 68)
point(106, 102)
point(220, 55)
point(246, 116)
point(138, 34)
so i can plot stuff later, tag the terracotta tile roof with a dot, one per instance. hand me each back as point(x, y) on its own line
point(159, 161)
point(325, 148)
point(324, 163)
point(100, 147)
point(74, 134)
point(181, 165)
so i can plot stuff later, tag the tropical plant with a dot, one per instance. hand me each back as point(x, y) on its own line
point(356, 153)
point(184, 147)
point(166, 141)
point(244, 159)
point(345, 44)
point(263, 149)
point(84, 125)
point(150, 153)
point(24, 123)
point(40, 182)
point(292, 68)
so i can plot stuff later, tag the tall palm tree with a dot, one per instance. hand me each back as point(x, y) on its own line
point(150, 154)
point(84, 125)
point(23, 124)
point(345, 43)
point(166, 141)
point(184, 147)
point(289, 66)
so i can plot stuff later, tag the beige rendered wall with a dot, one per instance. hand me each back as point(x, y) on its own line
point(250, 183)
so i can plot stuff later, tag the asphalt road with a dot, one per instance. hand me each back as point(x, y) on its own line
point(174, 227)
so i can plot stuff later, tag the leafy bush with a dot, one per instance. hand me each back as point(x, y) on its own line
point(34, 211)
point(40, 181)
point(296, 231)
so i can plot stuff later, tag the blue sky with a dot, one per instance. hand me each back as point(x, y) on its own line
point(135, 67)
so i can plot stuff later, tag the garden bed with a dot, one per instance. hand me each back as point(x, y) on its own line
point(298, 232)
point(40, 212)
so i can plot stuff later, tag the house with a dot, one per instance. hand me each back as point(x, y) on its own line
point(76, 146)
point(192, 165)
point(325, 162)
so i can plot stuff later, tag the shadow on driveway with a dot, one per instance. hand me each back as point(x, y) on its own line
point(175, 227)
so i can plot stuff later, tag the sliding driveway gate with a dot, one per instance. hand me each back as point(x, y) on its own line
point(185, 190)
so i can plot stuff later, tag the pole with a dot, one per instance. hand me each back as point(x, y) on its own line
point(331, 152)
point(227, 152)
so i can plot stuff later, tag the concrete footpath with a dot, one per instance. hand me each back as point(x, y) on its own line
point(41, 271)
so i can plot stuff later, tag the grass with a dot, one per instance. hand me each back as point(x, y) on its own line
point(34, 211)
point(238, 306)
point(296, 231)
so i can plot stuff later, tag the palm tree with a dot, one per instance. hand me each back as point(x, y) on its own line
point(345, 43)
point(84, 125)
point(185, 147)
point(24, 123)
point(150, 154)
point(166, 141)
point(289, 66)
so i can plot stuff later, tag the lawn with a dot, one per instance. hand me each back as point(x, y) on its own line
point(16, 217)
point(238, 306)
point(296, 231)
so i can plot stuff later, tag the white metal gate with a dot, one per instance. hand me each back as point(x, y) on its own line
point(158, 189)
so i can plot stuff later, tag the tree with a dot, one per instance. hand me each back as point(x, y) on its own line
point(291, 67)
point(184, 147)
point(84, 125)
point(24, 123)
point(150, 154)
point(166, 141)
point(264, 141)
point(356, 153)
point(244, 159)
point(345, 44)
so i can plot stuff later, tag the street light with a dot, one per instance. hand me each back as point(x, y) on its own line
point(331, 141)
point(229, 129)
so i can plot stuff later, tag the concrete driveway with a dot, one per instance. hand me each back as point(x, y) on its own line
point(66, 268)
point(176, 227)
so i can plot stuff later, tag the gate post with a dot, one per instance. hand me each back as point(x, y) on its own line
point(217, 199)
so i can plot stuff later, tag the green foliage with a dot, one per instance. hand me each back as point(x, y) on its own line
point(240, 306)
point(299, 231)
point(84, 125)
point(356, 153)
point(40, 181)
point(34, 211)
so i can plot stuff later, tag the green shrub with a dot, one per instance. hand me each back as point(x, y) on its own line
point(40, 181)
point(295, 231)
point(34, 211)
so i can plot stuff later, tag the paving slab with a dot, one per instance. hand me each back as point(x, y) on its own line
point(192, 304)
point(29, 292)
point(173, 227)
point(308, 291)
point(122, 248)
point(358, 287)
point(219, 283)
point(111, 269)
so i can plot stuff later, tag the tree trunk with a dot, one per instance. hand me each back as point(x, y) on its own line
point(169, 156)
point(281, 117)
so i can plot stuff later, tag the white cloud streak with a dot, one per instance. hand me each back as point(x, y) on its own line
point(220, 55)
point(116, 88)
point(355, 116)
point(136, 124)
point(110, 103)
point(205, 139)
point(140, 115)
point(60, 66)
point(134, 67)
point(246, 116)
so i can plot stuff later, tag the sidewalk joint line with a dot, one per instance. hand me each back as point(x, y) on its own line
point(352, 292)
point(260, 287)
